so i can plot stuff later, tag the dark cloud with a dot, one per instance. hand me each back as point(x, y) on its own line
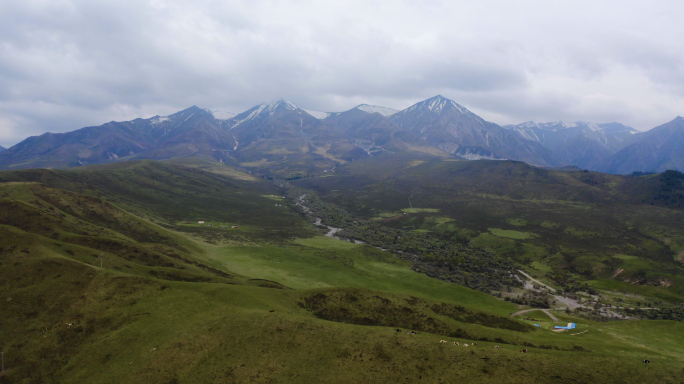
point(65, 65)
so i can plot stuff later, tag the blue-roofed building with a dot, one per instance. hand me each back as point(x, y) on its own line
point(569, 326)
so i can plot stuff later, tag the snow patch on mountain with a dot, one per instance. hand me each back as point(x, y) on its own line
point(158, 120)
point(528, 134)
point(221, 114)
point(528, 124)
point(476, 153)
point(437, 105)
point(476, 156)
point(556, 126)
point(376, 109)
point(317, 114)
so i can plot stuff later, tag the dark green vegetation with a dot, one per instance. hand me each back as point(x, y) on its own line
point(353, 307)
point(269, 301)
point(568, 228)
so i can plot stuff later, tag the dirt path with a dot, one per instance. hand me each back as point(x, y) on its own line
point(537, 281)
point(554, 318)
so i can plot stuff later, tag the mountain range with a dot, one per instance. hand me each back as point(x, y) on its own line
point(585, 145)
point(283, 138)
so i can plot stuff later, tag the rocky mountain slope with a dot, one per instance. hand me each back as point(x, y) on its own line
point(283, 138)
point(190, 132)
point(657, 150)
point(585, 145)
point(452, 128)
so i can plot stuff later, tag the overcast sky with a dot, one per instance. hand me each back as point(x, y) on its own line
point(69, 64)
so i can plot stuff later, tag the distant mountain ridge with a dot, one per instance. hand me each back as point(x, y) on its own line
point(189, 132)
point(582, 144)
point(282, 137)
point(657, 150)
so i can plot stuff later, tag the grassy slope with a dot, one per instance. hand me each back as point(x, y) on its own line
point(140, 329)
point(323, 262)
point(143, 331)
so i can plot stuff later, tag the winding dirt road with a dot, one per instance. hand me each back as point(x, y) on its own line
point(537, 281)
point(554, 318)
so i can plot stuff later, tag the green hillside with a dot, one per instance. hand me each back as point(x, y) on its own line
point(272, 300)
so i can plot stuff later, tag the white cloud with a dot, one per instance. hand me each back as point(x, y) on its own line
point(68, 64)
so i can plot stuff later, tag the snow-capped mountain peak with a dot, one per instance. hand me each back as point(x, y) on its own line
point(282, 103)
point(437, 105)
point(263, 110)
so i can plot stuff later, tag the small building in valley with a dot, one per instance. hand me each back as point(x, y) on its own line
point(569, 326)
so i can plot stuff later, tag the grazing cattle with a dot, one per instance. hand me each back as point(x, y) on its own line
point(474, 343)
point(443, 341)
point(523, 350)
point(398, 330)
point(647, 362)
point(457, 343)
point(496, 346)
point(465, 345)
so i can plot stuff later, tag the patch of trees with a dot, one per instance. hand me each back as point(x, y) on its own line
point(568, 285)
point(671, 313)
point(670, 192)
point(533, 299)
point(298, 176)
